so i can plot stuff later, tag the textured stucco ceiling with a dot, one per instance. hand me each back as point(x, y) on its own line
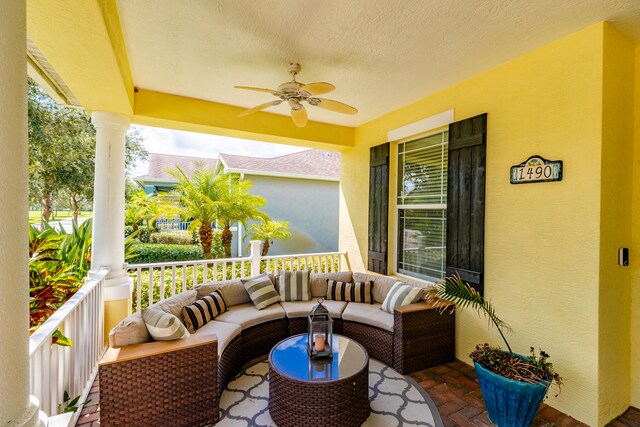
point(380, 54)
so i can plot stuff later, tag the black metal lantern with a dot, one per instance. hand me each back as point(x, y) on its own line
point(320, 335)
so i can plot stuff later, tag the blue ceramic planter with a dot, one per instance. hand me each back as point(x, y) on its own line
point(510, 403)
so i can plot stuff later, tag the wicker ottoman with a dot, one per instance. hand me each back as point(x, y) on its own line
point(331, 393)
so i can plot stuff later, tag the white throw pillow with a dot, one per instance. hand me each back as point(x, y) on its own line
point(401, 294)
point(164, 326)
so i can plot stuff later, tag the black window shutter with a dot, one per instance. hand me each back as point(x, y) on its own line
point(378, 208)
point(465, 200)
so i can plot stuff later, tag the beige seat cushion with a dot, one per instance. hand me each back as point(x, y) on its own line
point(297, 309)
point(319, 281)
point(132, 329)
point(369, 314)
point(233, 291)
point(247, 315)
point(226, 332)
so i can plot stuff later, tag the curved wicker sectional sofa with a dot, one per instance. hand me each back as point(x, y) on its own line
point(415, 337)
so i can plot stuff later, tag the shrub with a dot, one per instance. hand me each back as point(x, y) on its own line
point(128, 230)
point(149, 252)
point(172, 238)
point(143, 235)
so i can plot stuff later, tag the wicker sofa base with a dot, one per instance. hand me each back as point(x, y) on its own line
point(230, 363)
point(341, 403)
point(259, 340)
point(161, 399)
point(378, 342)
point(422, 339)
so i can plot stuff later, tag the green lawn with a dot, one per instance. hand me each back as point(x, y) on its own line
point(34, 216)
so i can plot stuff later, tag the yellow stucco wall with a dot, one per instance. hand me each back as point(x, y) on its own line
point(542, 248)
point(615, 223)
point(114, 312)
point(635, 249)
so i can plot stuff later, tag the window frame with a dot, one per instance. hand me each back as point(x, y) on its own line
point(419, 206)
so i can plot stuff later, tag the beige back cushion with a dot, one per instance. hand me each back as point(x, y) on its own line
point(132, 330)
point(319, 282)
point(233, 291)
point(382, 284)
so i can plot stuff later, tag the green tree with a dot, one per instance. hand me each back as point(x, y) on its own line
point(62, 152)
point(236, 205)
point(269, 230)
point(143, 208)
point(197, 197)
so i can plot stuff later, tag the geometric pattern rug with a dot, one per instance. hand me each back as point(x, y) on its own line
point(396, 400)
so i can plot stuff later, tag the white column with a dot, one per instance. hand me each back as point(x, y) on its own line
point(108, 203)
point(17, 408)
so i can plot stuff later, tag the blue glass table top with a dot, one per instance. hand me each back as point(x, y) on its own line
point(290, 358)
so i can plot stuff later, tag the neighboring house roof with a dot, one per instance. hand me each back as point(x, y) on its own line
point(312, 164)
point(160, 163)
point(309, 164)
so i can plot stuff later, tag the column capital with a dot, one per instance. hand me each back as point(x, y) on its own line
point(111, 120)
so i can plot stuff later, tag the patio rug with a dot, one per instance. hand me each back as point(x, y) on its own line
point(396, 400)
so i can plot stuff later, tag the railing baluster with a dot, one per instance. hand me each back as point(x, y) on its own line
point(150, 286)
point(184, 278)
point(195, 276)
point(173, 280)
point(224, 271)
point(233, 270)
point(139, 288)
point(162, 284)
point(204, 272)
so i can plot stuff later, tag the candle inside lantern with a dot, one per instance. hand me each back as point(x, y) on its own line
point(319, 342)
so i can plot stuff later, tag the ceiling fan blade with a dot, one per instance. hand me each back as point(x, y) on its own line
point(318, 88)
point(258, 108)
point(299, 116)
point(257, 89)
point(338, 107)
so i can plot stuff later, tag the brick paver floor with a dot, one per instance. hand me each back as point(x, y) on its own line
point(453, 388)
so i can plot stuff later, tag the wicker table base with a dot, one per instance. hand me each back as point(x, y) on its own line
point(295, 403)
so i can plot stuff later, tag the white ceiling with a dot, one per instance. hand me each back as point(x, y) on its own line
point(380, 54)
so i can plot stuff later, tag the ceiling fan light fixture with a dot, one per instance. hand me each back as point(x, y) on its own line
point(295, 93)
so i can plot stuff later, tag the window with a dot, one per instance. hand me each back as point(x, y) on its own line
point(422, 207)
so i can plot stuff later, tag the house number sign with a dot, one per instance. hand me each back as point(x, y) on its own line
point(536, 169)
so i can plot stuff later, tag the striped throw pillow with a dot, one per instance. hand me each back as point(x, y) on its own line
point(261, 291)
point(163, 326)
point(202, 311)
point(401, 294)
point(349, 291)
point(294, 285)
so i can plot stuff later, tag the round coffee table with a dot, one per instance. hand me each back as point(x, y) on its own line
point(325, 392)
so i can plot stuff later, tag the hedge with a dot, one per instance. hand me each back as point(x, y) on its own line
point(173, 238)
point(148, 252)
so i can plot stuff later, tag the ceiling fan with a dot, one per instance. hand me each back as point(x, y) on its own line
point(294, 93)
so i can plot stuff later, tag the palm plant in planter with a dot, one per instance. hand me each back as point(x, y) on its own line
point(513, 385)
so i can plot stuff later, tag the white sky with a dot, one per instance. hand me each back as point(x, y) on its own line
point(167, 141)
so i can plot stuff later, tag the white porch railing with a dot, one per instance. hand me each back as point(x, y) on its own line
point(165, 224)
point(56, 369)
point(156, 281)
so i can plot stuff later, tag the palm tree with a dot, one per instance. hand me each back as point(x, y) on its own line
point(198, 197)
point(269, 230)
point(236, 205)
point(141, 208)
